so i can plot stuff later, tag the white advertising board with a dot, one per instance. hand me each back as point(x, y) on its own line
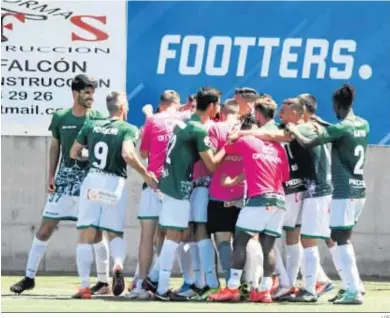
point(47, 43)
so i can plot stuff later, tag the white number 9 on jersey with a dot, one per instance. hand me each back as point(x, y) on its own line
point(100, 152)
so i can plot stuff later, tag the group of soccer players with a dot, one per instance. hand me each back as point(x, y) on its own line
point(222, 182)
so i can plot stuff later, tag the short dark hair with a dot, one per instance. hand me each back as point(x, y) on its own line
point(206, 96)
point(309, 101)
point(83, 81)
point(248, 122)
point(266, 106)
point(191, 97)
point(344, 96)
point(230, 106)
point(247, 93)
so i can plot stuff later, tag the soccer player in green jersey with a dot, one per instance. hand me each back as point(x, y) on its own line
point(188, 144)
point(349, 140)
point(63, 189)
point(103, 197)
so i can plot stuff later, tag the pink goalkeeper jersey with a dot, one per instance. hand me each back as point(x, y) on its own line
point(231, 166)
point(265, 164)
point(200, 169)
point(155, 138)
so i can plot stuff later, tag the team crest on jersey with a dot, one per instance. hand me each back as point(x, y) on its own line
point(207, 141)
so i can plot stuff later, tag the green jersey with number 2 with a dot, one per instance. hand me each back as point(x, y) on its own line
point(349, 140)
point(188, 139)
point(104, 139)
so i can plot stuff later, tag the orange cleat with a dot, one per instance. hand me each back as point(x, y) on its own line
point(264, 296)
point(253, 295)
point(82, 293)
point(226, 294)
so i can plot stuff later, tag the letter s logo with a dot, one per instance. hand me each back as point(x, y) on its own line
point(99, 35)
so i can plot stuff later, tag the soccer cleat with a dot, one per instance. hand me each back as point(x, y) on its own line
point(244, 291)
point(204, 293)
point(186, 294)
point(26, 283)
point(149, 285)
point(132, 286)
point(322, 288)
point(264, 297)
point(350, 298)
point(139, 293)
point(294, 291)
point(100, 289)
point(118, 280)
point(183, 288)
point(304, 297)
point(226, 294)
point(339, 295)
point(282, 292)
point(82, 293)
point(164, 297)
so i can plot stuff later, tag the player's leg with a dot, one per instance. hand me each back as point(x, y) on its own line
point(324, 283)
point(284, 286)
point(199, 203)
point(58, 207)
point(101, 250)
point(343, 218)
point(151, 282)
point(174, 217)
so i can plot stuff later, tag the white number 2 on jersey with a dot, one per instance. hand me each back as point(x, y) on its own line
point(359, 152)
point(100, 151)
point(171, 145)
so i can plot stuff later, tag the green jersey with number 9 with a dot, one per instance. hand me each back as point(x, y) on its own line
point(104, 139)
point(349, 140)
point(188, 140)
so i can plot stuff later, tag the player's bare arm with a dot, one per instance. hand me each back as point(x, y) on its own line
point(303, 141)
point(227, 181)
point(54, 155)
point(76, 152)
point(212, 160)
point(129, 155)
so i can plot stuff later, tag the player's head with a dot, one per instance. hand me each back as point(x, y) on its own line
point(343, 100)
point(310, 103)
point(292, 111)
point(265, 109)
point(83, 89)
point(245, 98)
point(117, 105)
point(249, 122)
point(207, 101)
point(230, 108)
point(169, 99)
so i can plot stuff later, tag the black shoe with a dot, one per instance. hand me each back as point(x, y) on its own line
point(149, 285)
point(100, 289)
point(26, 283)
point(118, 281)
point(164, 297)
point(340, 294)
point(304, 297)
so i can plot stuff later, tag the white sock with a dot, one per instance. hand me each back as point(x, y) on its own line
point(254, 263)
point(195, 260)
point(102, 260)
point(280, 269)
point(337, 264)
point(207, 259)
point(84, 260)
point(266, 283)
point(37, 250)
point(321, 275)
point(154, 272)
point(349, 268)
point(235, 278)
point(167, 257)
point(293, 262)
point(136, 274)
point(118, 251)
point(185, 263)
point(311, 260)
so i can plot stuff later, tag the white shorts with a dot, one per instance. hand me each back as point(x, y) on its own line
point(62, 207)
point(344, 213)
point(315, 217)
point(293, 217)
point(150, 205)
point(174, 214)
point(103, 202)
point(199, 200)
point(267, 220)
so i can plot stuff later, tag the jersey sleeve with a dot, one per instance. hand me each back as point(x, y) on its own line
point(82, 137)
point(202, 140)
point(131, 133)
point(333, 132)
point(146, 135)
point(54, 126)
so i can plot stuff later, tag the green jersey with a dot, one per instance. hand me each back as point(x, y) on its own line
point(65, 126)
point(349, 140)
point(189, 138)
point(316, 169)
point(104, 139)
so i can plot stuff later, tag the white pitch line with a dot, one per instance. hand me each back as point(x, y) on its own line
point(136, 91)
point(385, 139)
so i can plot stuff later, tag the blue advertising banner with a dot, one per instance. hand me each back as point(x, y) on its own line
point(280, 48)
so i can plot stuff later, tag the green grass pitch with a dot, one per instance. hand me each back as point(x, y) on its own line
point(52, 294)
